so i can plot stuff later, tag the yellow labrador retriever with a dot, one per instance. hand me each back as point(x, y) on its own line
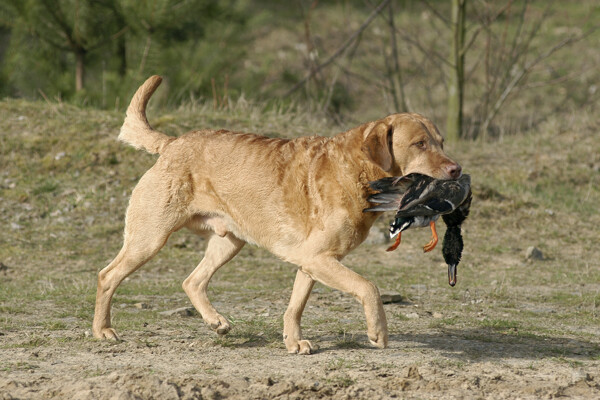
point(301, 199)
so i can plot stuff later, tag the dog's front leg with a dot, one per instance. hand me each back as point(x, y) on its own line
point(329, 271)
point(292, 334)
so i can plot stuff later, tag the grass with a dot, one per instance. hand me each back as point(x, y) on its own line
point(64, 219)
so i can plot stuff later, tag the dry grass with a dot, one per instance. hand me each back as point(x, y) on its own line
point(64, 185)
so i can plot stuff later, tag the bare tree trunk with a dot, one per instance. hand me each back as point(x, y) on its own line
point(122, 54)
point(79, 69)
point(456, 81)
point(145, 54)
point(395, 74)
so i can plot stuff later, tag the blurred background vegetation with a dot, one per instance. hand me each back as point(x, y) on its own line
point(509, 64)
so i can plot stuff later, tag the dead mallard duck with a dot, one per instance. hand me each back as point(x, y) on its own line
point(419, 200)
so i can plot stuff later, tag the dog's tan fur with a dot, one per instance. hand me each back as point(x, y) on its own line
point(301, 199)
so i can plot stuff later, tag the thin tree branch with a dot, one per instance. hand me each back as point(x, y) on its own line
point(551, 82)
point(445, 20)
point(427, 52)
point(521, 74)
point(395, 74)
point(340, 50)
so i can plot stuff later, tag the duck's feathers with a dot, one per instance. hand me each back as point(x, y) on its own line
point(439, 197)
point(458, 216)
point(417, 194)
point(425, 207)
point(384, 198)
point(381, 207)
point(403, 223)
point(393, 184)
point(393, 193)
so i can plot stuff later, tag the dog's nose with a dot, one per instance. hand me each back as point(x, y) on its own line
point(453, 170)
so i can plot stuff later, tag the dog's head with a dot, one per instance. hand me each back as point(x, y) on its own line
point(405, 143)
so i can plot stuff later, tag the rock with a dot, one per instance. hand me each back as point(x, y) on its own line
point(580, 375)
point(419, 288)
point(142, 306)
point(412, 372)
point(412, 315)
point(437, 315)
point(210, 394)
point(182, 312)
point(283, 388)
point(533, 253)
point(391, 297)
point(268, 381)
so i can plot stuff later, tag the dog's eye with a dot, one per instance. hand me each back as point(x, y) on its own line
point(420, 144)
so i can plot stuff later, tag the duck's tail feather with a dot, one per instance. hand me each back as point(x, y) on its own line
point(392, 184)
point(382, 207)
point(386, 197)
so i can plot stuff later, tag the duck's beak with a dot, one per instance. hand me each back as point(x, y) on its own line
point(452, 274)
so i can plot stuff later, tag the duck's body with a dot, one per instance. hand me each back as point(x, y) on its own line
point(419, 200)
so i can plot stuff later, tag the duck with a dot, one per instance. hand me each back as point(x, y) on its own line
point(419, 200)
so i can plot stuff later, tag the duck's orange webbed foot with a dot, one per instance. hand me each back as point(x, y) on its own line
point(396, 243)
point(434, 238)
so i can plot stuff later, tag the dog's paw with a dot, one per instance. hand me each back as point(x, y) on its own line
point(302, 347)
point(221, 326)
point(380, 340)
point(106, 333)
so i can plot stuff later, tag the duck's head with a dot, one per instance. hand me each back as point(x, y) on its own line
point(405, 143)
point(452, 251)
point(452, 268)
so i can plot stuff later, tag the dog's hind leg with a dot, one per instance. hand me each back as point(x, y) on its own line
point(137, 250)
point(292, 334)
point(149, 222)
point(219, 251)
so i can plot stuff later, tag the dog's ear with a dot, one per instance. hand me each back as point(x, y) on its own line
point(378, 145)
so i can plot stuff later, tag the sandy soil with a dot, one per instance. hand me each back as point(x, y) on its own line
point(166, 363)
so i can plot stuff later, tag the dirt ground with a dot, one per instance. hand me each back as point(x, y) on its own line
point(169, 370)
point(422, 364)
point(513, 327)
point(177, 357)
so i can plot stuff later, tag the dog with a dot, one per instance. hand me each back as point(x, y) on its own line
point(302, 199)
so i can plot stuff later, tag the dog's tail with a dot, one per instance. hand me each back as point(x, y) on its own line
point(136, 131)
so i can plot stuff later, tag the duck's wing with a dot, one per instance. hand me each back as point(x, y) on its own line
point(384, 201)
point(386, 197)
point(394, 184)
point(456, 191)
point(458, 216)
point(441, 196)
point(423, 198)
point(391, 190)
point(425, 207)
